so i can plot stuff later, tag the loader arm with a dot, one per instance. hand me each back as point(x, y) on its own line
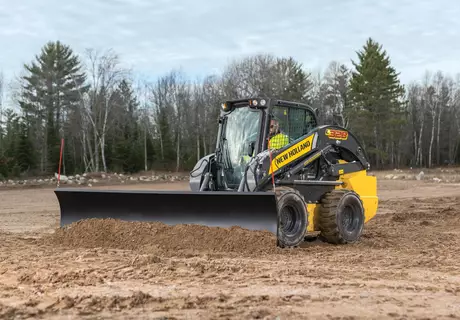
point(317, 159)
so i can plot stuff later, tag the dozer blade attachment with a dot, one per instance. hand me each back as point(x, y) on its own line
point(253, 210)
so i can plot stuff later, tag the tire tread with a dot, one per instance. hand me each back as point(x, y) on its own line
point(327, 220)
point(279, 193)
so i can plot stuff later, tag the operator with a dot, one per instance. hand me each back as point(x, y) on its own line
point(277, 138)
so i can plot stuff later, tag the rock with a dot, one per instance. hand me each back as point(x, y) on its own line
point(90, 185)
point(420, 176)
point(364, 295)
point(95, 181)
point(437, 180)
point(389, 176)
point(103, 176)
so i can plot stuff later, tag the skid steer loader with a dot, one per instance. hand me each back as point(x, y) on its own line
point(274, 168)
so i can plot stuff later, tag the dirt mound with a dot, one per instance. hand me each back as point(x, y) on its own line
point(149, 236)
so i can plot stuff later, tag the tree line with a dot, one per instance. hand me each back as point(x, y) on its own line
point(111, 122)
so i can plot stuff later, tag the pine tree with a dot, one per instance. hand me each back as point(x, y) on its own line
point(291, 81)
point(24, 151)
point(8, 163)
point(51, 91)
point(376, 103)
point(128, 144)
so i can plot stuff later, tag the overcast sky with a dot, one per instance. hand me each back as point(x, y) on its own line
point(154, 36)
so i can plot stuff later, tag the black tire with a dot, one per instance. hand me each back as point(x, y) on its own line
point(341, 217)
point(292, 217)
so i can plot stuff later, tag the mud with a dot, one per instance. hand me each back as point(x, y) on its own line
point(406, 266)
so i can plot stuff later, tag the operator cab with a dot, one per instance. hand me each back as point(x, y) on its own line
point(249, 126)
point(289, 121)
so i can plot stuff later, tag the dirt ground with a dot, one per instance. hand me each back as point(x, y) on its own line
point(406, 266)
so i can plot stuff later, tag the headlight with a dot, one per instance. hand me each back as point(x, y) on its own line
point(226, 107)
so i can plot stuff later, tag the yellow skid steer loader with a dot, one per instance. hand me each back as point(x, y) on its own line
point(274, 168)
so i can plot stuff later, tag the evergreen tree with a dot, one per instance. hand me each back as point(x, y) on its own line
point(291, 82)
point(51, 91)
point(8, 161)
point(24, 151)
point(128, 144)
point(376, 102)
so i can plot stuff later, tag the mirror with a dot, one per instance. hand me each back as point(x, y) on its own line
point(251, 147)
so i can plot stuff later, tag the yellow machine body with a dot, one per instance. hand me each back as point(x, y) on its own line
point(360, 182)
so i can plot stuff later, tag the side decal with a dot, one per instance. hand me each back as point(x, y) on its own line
point(336, 134)
point(292, 153)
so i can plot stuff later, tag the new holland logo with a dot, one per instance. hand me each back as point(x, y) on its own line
point(292, 153)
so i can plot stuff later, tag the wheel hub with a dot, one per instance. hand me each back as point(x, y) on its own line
point(288, 219)
point(349, 219)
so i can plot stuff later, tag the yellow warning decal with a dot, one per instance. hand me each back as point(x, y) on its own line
point(337, 134)
point(291, 154)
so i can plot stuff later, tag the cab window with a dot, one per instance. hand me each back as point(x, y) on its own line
point(294, 122)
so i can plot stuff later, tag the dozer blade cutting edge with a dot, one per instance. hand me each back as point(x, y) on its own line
point(253, 211)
